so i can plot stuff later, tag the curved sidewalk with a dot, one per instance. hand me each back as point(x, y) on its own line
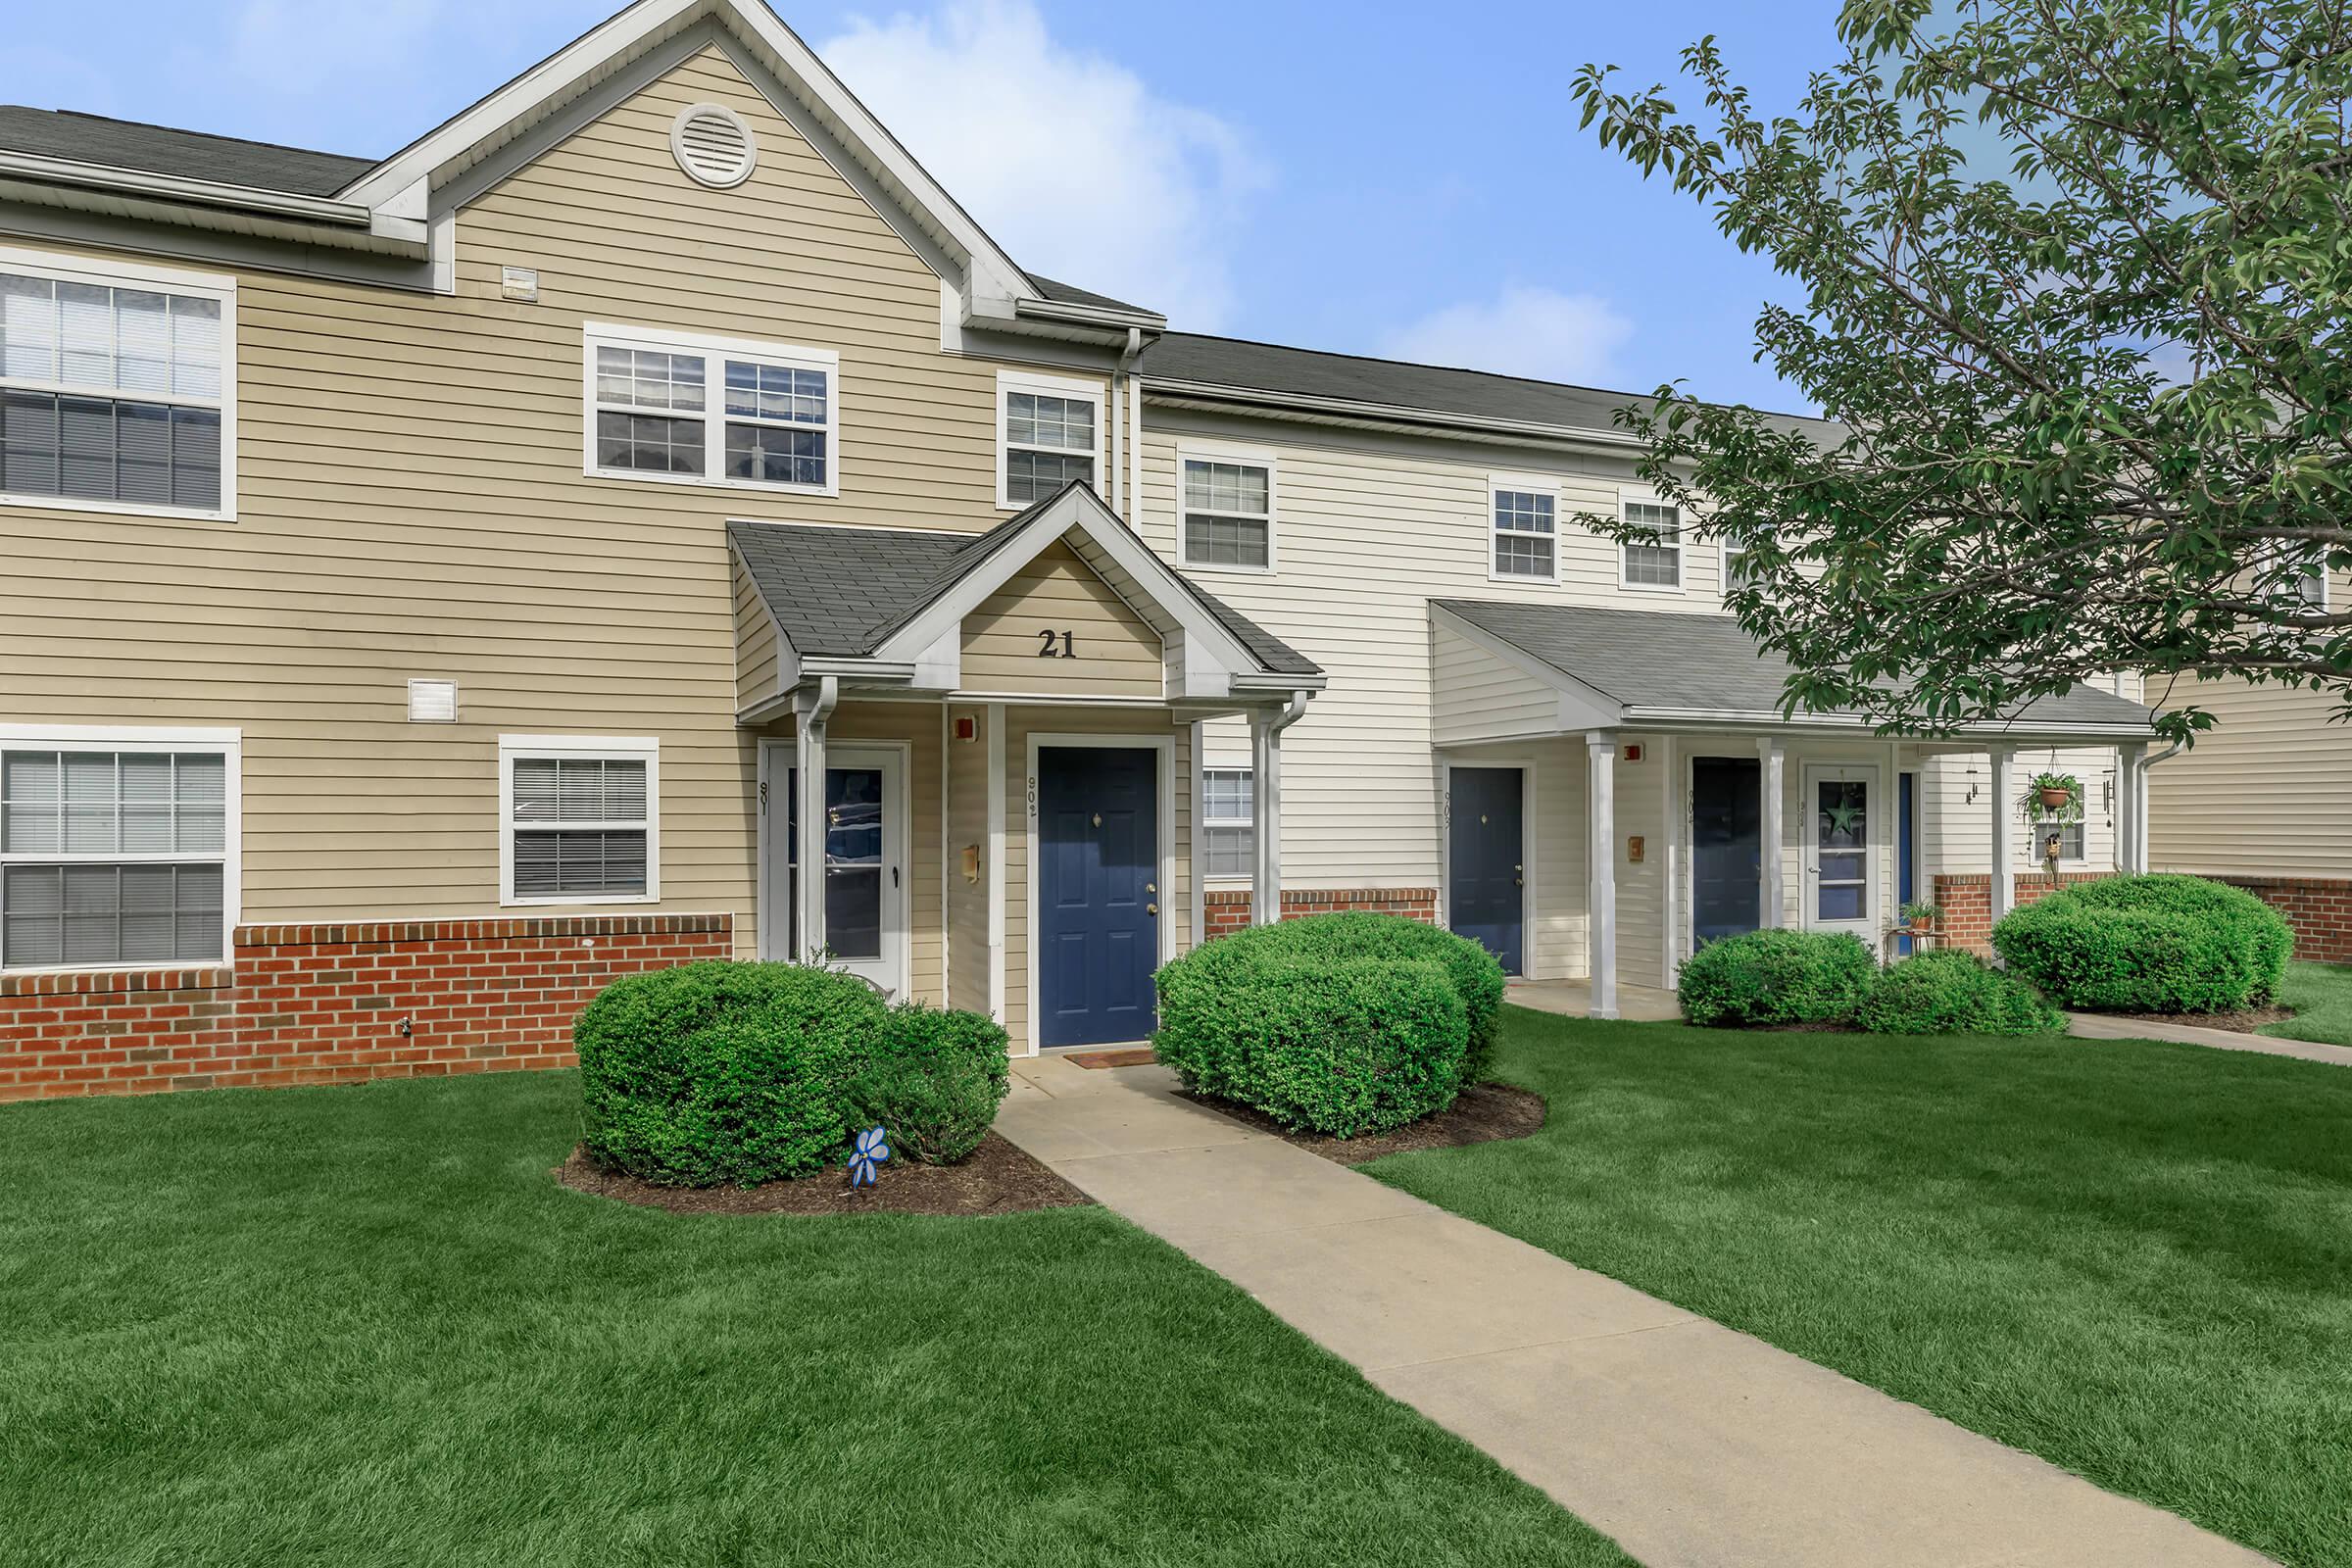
point(1690, 1444)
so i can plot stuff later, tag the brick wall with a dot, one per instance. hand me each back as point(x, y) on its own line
point(335, 1004)
point(1225, 910)
point(2320, 911)
point(1967, 901)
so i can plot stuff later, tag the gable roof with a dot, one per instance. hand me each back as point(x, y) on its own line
point(1666, 662)
point(70, 133)
point(842, 593)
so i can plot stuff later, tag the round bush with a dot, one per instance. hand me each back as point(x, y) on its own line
point(1765, 978)
point(722, 1072)
point(934, 1082)
point(1952, 993)
point(2149, 943)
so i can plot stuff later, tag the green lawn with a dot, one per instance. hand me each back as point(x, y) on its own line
point(2133, 1259)
point(2322, 995)
point(362, 1326)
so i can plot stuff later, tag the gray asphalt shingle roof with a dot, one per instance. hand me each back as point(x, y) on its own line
point(1072, 294)
point(1655, 658)
point(841, 592)
point(183, 154)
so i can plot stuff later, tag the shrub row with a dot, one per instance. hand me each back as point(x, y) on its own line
point(1337, 1023)
point(2149, 943)
point(719, 1072)
point(1774, 978)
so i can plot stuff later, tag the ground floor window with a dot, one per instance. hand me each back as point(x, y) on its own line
point(1228, 818)
point(581, 819)
point(2068, 834)
point(115, 856)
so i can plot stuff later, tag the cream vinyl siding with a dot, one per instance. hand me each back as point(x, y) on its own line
point(1956, 832)
point(2266, 793)
point(1486, 696)
point(411, 501)
point(1114, 653)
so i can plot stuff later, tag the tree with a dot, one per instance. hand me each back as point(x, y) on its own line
point(2075, 277)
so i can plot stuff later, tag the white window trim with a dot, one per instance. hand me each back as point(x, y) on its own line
point(1639, 494)
point(228, 744)
point(1250, 456)
point(608, 334)
point(215, 286)
point(1012, 381)
point(644, 749)
point(1524, 485)
point(1207, 822)
point(2038, 827)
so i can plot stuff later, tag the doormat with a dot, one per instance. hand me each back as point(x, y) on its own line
point(1131, 1056)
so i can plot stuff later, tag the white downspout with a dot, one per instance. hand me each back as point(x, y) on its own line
point(1122, 391)
point(811, 711)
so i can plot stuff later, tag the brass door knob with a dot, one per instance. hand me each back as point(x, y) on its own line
point(1150, 908)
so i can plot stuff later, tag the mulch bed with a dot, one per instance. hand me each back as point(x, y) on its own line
point(1484, 1113)
point(998, 1179)
point(2245, 1021)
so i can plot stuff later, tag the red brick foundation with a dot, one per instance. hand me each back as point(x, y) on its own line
point(335, 1004)
point(2319, 909)
point(1225, 910)
point(1967, 901)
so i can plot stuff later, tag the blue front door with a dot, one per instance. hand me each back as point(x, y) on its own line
point(1906, 865)
point(1098, 894)
point(1727, 809)
point(1485, 899)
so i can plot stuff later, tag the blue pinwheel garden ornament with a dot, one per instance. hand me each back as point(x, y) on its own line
point(868, 1152)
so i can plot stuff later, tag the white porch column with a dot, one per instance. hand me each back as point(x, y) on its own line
point(2132, 809)
point(1772, 890)
point(1600, 860)
point(813, 708)
point(1265, 802)
point(2004, 831)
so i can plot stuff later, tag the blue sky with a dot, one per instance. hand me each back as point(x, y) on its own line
point(1341, 175)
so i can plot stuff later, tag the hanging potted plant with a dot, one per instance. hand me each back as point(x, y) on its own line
point(2058, 796)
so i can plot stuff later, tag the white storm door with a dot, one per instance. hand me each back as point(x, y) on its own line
point(1841, 832)
point(866, 870)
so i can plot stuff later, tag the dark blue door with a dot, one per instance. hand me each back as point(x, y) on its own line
point(1727, 867)
point(1098, 894)
point(1485, 900)
point(1906, 866)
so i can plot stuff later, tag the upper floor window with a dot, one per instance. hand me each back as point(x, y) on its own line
point(115, 851)
point(582, 818)
point(681, 407)
point(1736, 568)
point(2313, 583)
point(1228, 514)
point(1655, 563)
point(1525, 530)
point(1048, 434)
point(117, 388)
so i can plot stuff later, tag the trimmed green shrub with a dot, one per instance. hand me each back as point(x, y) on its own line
point(934, 1083)
point(1333, 1045)
point(2149, 943)
point(1954, 992)
point(722, 1072)
point(1765, 978)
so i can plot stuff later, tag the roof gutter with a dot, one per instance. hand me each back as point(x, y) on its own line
point(1101, 316)
point(1390, 413)
point(1698, 718)
point(320, 209)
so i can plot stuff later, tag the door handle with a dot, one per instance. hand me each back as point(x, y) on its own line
point(894, 876)
point(1150, 908)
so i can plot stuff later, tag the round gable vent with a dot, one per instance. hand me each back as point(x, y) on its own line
point(713, 145)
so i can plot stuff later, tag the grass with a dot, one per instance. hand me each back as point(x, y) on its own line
point(362, 1326)
point(2133, 1259)
point(2322, 995)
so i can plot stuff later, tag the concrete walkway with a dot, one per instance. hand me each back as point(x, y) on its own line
point(2095, 1026)
point(1688, 1442)
point(1574, 998)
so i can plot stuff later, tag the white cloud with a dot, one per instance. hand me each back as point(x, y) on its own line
point(1537, 332)
point(1069, 160)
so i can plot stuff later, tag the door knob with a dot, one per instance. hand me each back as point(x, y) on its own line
point(1150, 908)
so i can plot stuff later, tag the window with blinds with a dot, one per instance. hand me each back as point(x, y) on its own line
point(113, 858)
point(1228, 514)
point(669, 406)
point(1048, 437)
point(1228, 822)
point(1657, 562)
point(580, 825)
point(112, 393)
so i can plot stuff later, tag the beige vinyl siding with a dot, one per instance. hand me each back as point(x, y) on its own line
point(967, 898)
point(755, 643)
point(1114, 653)
point(1486, 696)
point(1956, 832)
point(2268, 792)
point(410, 502)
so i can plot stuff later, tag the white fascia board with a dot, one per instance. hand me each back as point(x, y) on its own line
point(1583, 708)
point(2095, 733)
point(1304, 405)
point(322, 211)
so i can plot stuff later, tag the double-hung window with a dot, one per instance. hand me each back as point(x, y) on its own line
point(581, 819)
point(1652, 560)
point(116, 851)
point(117, 388)
point(1524, 518)
point(1048, 434)
point(681, 407)
point(2070, 836)
point(1228, 822)
point(1228, 512)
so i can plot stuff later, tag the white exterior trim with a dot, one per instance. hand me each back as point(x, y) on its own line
point(227, 744)
point(1165, 788)
point(646, 749)
point(1247, 457)
point(1051, 386)
point(1546, 485)
point(713, 415)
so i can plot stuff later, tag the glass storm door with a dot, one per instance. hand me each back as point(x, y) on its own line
point(864, 863)
point(1841, 873)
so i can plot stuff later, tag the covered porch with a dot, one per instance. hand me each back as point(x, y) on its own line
point(998, 733)
point(1620, 788)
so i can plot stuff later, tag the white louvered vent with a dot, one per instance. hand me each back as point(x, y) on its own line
point(713, 145)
